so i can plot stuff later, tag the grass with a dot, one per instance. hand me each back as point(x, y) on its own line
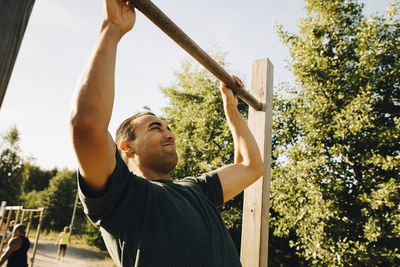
point(76, 240)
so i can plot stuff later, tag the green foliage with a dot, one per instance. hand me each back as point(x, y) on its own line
point(11, 167)
point(23, 183)
point(195, 115)
point(35, 178)
point(336, 150)
point(58, 199)
point(34, 199)
point(92, 235)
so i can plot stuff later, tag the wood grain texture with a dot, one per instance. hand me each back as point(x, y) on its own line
point(153, 13)
point(14, 17)
point(254, 246)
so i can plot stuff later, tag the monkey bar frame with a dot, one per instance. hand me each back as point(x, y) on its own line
point(20, 217)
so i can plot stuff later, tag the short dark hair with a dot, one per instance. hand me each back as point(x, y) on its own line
point(20, 227)
point(125, 130)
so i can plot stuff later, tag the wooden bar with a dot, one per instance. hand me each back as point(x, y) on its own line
point(71, 225)
point(13, 207)
point(17, 216)
point(254, 246)
point(14, 16)
point(34, 210)
point(3, 213)
point(21, 220)
point(5, 230)
point(152, 12)
point(28, 228)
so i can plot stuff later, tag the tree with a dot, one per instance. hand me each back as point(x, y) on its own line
point(336, 173)
point(58, 199)
point(11, 167)
point(35, 178)
point(204, 143)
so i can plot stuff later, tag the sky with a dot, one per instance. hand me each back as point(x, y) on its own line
point(60, 36)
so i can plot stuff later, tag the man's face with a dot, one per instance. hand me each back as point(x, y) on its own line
point(17, 232)
point(154, 144)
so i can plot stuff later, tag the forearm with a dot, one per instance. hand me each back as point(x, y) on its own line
point(246, 148)
point(2, 260)
point(95, 94)
point(248, 165)
point(4, 257)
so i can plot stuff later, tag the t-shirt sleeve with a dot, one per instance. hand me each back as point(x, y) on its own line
point(209, 184)
point(111, 201)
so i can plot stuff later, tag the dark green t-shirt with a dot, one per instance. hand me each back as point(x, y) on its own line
point(161, 223)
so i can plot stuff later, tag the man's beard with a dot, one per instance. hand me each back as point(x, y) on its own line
point(164, 162)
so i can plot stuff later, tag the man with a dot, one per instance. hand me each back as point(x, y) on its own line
point(126, 188)
point(17, 249)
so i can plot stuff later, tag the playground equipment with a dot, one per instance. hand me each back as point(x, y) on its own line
point(20, 215)
point(254, 247)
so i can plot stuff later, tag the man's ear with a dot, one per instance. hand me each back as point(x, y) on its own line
point(125, 147)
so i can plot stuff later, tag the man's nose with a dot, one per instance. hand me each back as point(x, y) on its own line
point(170, 136)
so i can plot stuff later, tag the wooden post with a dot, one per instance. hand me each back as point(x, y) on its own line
point(17, 216)
point(41, 210)
point(14, 16)
point(254, 246)
point(28, 228)
point(21, 220)
point(71, 225)
point(2, 213)
point(5, 229)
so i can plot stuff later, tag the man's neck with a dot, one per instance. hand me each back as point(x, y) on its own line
point(148, 173)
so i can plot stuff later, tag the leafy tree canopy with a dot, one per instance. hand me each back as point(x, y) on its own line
point(58, 199)
point(11, 167)
point(336, 179)
point(35, 178)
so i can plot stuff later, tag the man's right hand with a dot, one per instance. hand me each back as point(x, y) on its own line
point(120, 14)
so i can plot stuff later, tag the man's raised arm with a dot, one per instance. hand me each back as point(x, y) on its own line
point(248, 165)
point(14, 245)
point(94, 98)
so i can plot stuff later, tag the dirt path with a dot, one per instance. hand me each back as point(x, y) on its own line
point(46, 256)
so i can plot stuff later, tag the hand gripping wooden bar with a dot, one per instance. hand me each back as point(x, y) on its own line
point(152, 12)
